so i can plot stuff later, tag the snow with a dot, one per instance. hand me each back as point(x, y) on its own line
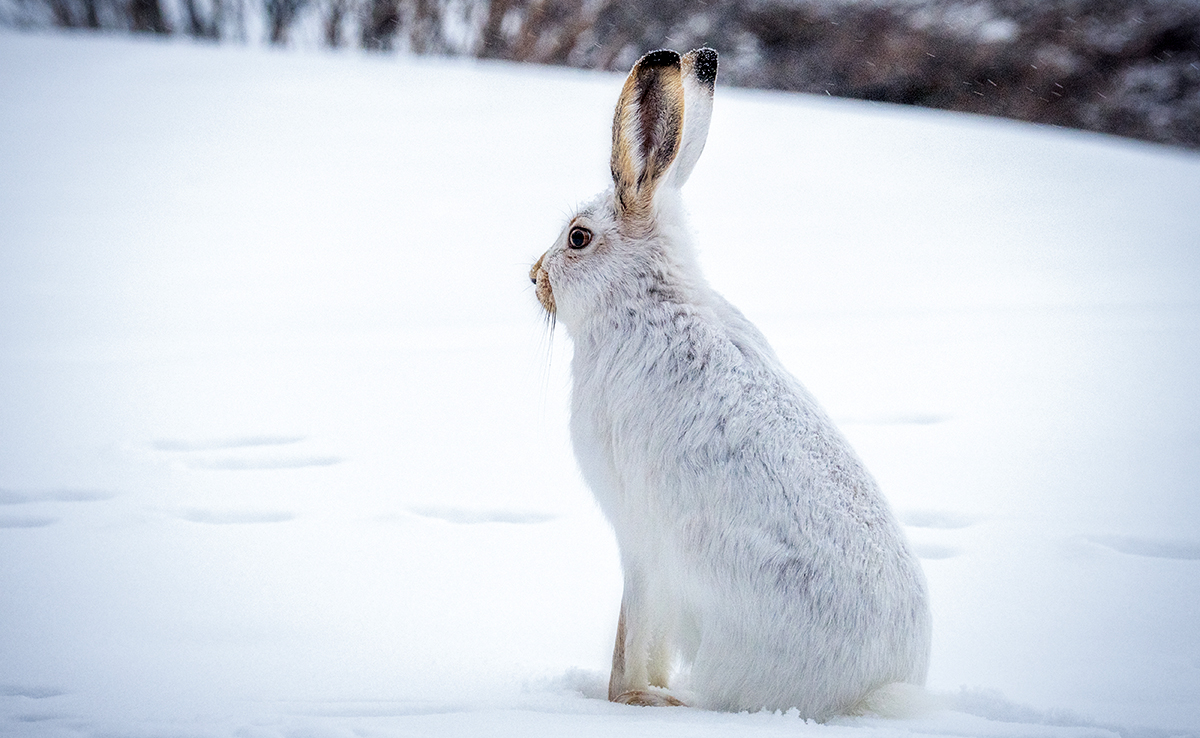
point(283, 445)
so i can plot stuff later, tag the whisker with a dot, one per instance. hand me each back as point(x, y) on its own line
point(549, 321)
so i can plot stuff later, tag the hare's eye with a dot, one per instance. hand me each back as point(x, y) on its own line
point(579, 237)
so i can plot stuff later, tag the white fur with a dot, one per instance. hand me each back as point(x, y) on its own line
point(761, 560)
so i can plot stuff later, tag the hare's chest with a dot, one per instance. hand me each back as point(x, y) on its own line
point(618, 448)
point(593, 453)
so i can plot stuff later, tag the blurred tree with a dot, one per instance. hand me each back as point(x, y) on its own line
point(1129, 67)
point(380, 22)
point(147, 16)
point(281, 14)
point(544, 31)
point(204, 22)
point(333, 19)
point(422, 24)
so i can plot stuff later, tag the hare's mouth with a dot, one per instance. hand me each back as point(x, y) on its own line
point(541, 283)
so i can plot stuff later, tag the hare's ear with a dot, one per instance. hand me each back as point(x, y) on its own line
point(647, 130)
point(699, 70)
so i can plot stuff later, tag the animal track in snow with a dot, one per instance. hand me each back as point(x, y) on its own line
point(236, 517)
point(1153, 547)
point(462, 516)
point(41, 496)
point(220, 444)
point(26, 521)
point(39, 717)
point(198, 453)
point(32, 692)
point(941, 520)
point(21, 497)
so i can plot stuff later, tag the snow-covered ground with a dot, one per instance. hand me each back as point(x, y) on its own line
point(283, 445)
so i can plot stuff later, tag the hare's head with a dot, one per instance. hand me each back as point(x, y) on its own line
point(659, 129)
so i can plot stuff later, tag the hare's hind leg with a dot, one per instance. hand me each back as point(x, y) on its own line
point(617, 680)
point(641, 659)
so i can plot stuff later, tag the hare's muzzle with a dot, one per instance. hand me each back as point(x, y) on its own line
point(541, 282)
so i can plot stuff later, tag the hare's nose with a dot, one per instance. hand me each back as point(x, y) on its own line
point(537, 267)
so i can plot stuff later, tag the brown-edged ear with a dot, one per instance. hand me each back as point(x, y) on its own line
point(647, 130)
point(699, 70)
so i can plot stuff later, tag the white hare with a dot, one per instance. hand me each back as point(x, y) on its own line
point(761, 562)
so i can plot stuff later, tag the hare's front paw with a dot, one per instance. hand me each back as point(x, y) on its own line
point(642, 698)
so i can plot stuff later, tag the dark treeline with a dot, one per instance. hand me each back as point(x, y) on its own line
point(1127, 67)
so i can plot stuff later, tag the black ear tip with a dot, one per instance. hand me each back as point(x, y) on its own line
point(705, 64)
point(657, 59)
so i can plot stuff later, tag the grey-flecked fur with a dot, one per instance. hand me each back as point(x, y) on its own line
point(763, 566)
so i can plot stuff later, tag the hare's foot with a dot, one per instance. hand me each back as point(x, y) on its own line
point(643, 698)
